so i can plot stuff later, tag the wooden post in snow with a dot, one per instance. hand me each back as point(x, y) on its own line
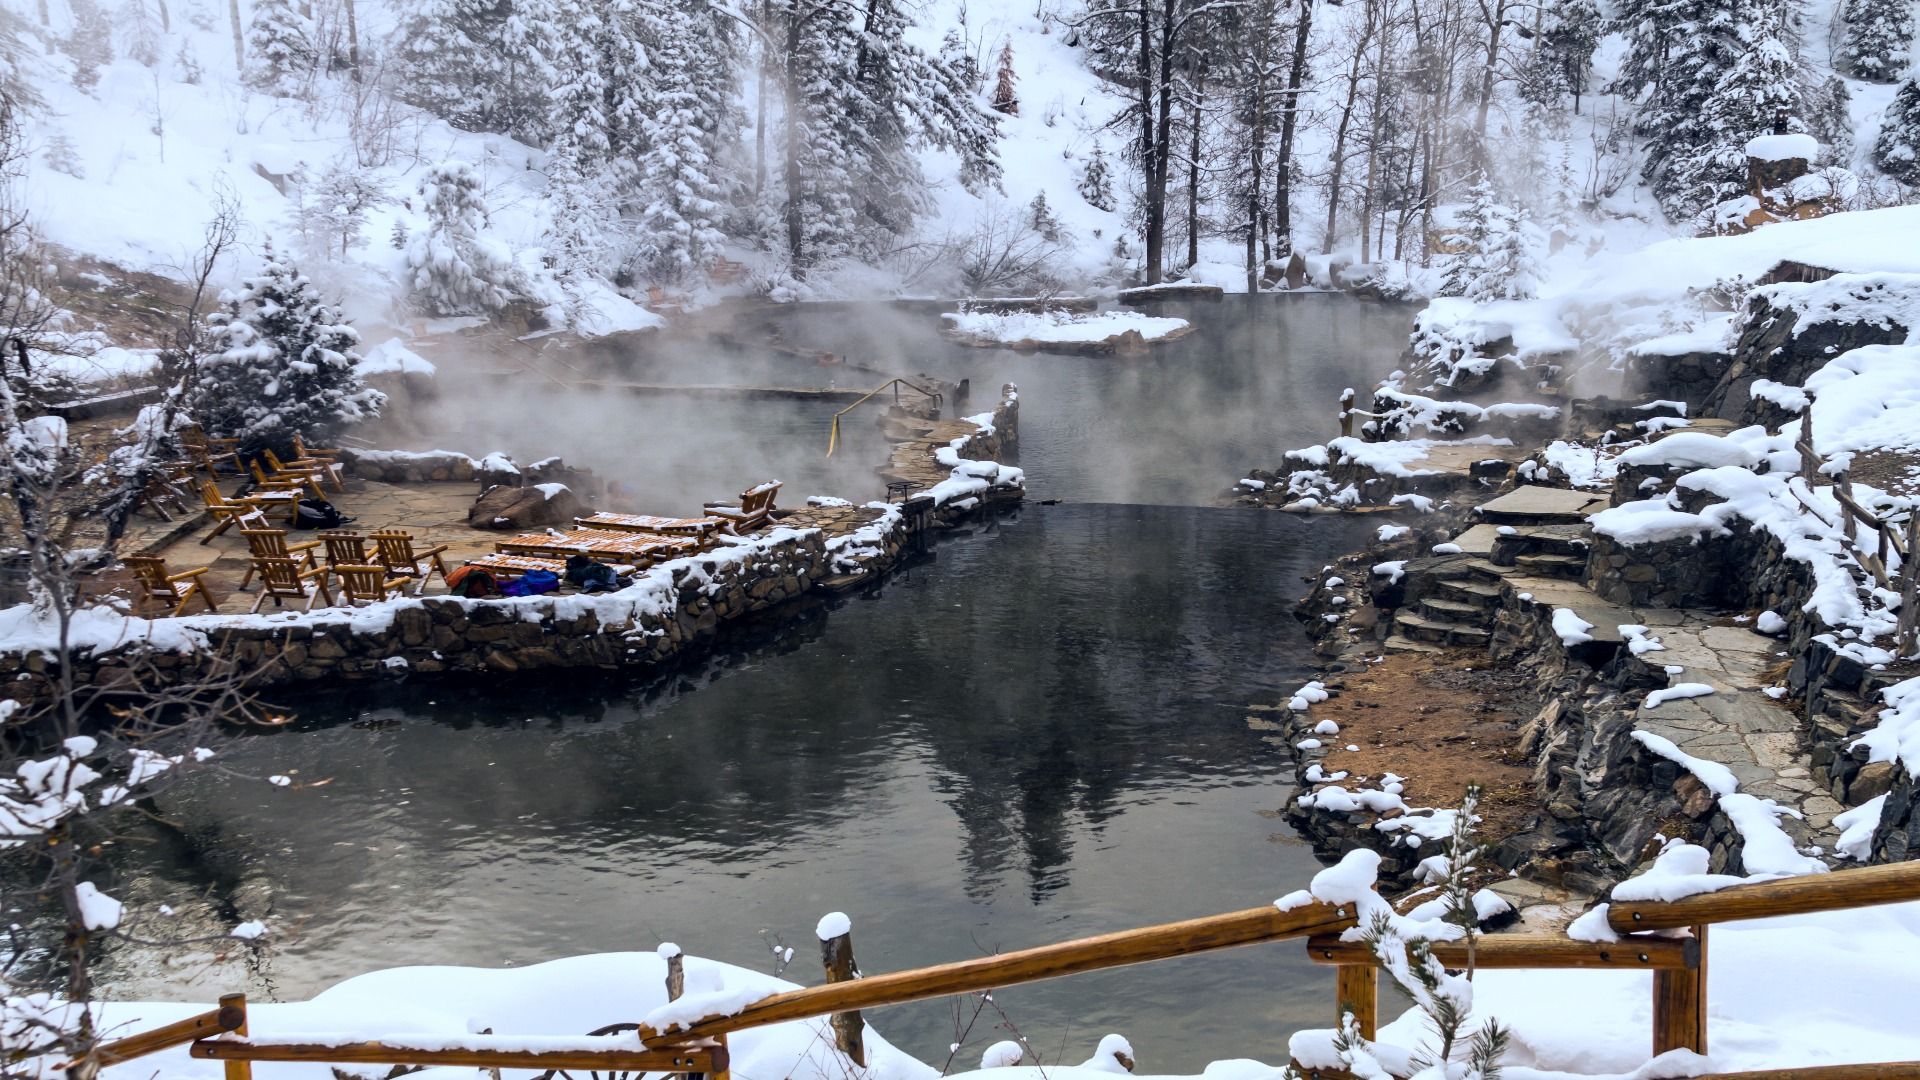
point(1346, 412)
point(676, 970)
point(237, 1070)
point(836, 954)
point(1357, 990)
point(1680, 1005)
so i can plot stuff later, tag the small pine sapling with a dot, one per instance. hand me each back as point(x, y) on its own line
point(61, 156)
point(1096, 181)
point(1041, 220)
point(1005, 100)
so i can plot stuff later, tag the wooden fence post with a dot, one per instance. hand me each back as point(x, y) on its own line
point(676, 970)
point(1809, 459)
point(1907, 636)
point(836, 954)
point(1346, 412)
point(1357, 990)
point(238, 1070)
point(1680, 1005)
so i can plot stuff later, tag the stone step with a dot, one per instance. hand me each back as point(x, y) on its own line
point(1453, 611)
point(1553, 566)
point(1396, 643)
point(1439, 633)
point(1486, 572)
point(1532, 504)
point(1472, 590)
point(1514, 541)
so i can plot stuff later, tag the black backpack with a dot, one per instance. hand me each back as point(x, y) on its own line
point(318, 514)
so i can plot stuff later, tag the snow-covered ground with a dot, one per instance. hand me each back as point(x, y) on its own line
point(1060, 327)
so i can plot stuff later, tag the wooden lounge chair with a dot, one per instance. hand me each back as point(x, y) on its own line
point(211, 455)
point(395, 551)
point(166, 488)
point(755, 509)
point(272, 544)
point(366, 584)
point(605, 545)
point(283, 580)
point(228, 511)
point(502, 565)
point(173, 591)
point(319, 468)
point(651, 523)
point(303, 451)
point(346, 548)
point(299, 483)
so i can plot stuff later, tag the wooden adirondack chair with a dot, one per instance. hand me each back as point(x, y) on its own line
point(346, 548)
point(283, 580)
point(166, 487)
point(174, 591)
point(755, 509)
point(224, 510)
point(303, 451)
point(396, 553)
point(298, 482)
point(366, 584)
point(210, 454)
point(272, 544)
point(319, 468)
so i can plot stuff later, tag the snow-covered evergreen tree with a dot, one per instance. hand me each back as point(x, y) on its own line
point(186, 66)
point(284, 364)
point(139, 32)
point(1879, 39)
point(280, 50)
point(1005, 99)
point(1096, 181)
point(684, 194)
point(453, 268)
point(90, 44)
point(1498, 260)
point(1897, 150)
point(1041, 220)
point(581, 221)
point(481, 65)
point(438, 64)
point(61, 157)
point(1568, 45)
point(954, 54)
point(330, 212)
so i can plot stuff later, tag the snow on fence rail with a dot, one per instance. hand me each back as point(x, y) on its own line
point(1892, 541)
point(689, 1034)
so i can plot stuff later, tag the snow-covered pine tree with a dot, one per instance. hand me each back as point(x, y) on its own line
point(16, 92)
point(1005, 99)
point(453, 269)
point(1879, 39)
point(954, 54)
point(186, 66)
point(1096, 180)
point(1497, 260)
point(438, 65)
point(90, 44)
point(481, 65)
point(1748, 101)
point(332, 211)
point(280, 50)
point(523, 44)
point(61, 157)
point(284, 365)
point(1041, 220)
point(578, 99)
point(1570, 42)
point(580, 221)
point(139, 32)
point(683, 193)
point(1897, 150)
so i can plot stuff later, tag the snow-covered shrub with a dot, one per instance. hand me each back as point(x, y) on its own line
point(285, 364)
point(61, 156)
point(90, 44)
point(452, 268)
point(1879, 39)
point(280, 50)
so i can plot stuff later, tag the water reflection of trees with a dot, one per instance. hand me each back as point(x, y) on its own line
point(1047, 675)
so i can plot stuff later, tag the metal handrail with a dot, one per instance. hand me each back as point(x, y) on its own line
point(833, 432)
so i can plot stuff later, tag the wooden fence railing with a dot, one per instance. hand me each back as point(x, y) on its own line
point(1679, 967)
point(1892, 539)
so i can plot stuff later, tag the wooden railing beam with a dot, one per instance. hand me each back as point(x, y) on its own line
point(1544, 951)
point(683, 1059)
point(1120, 949)
point(1841, 890)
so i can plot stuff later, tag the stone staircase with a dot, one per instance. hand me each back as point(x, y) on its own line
point(1530, 538)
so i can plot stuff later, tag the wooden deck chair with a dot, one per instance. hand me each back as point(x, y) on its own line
point(283, 580)
point(346, 548)
point(299, 483)
point(164, 489)
point(224, 510)
point(319, 468)
point(211, 455)
point(174, 591)
point(756, 507)
point(303, 451)
point(272, 544)
point(366, 584)
point(395, 552)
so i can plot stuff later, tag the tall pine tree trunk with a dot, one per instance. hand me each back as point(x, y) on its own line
point(760, 106)
point(1289, 123)
point(1496, 20)
point(1373, 139)
point(1162, 151)
point(1147, 143)
point(1339, 160)
point(353, 40)
point(1193, 167)
point(796, 252)
point(239, 42)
